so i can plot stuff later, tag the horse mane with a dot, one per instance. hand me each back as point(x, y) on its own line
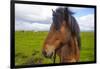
point(66, 14)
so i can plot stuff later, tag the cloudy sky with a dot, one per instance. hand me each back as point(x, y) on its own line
point(39, 18)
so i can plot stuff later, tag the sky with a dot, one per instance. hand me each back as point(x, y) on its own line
point(39, 17)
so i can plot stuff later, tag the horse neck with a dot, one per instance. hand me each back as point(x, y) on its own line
point(69, 51)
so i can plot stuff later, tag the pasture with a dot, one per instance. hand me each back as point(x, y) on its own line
point(28, 48)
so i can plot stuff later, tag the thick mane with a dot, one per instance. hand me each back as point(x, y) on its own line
point(64, 10)
point(60, 14)
point(65, 14)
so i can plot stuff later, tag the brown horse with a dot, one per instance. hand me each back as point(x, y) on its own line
point(64, 37)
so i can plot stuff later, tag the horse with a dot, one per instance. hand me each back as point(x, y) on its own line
point(63, 38)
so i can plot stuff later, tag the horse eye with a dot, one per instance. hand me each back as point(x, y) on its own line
point(58, 30)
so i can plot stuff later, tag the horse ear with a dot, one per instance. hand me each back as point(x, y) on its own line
point(64, 13)
point(53, 11)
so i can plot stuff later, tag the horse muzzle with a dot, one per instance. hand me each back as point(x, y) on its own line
point(48, 51)
point(47, 54)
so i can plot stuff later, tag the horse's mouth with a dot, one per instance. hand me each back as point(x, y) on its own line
point(48, 55)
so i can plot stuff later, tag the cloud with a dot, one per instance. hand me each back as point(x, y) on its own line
point(39, 18)
point(33, 17)
point(86, 22)
point(32, 27)
point(33, 12)
point(76, 9)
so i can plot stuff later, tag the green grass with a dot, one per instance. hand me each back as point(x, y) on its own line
point(87, 49)
point(28, 46)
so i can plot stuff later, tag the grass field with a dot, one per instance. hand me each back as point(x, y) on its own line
point(28, 46)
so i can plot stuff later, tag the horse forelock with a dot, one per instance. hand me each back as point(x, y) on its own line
point(63, 13)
